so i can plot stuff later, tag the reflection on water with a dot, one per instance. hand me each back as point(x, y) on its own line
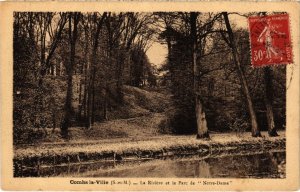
point(265, 165)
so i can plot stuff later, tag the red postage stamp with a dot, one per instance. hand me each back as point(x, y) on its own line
point(270, 40)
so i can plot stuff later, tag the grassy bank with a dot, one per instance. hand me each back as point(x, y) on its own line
point(143, 114)
point(129, 148)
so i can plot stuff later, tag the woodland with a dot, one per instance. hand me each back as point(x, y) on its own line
point(74, 70)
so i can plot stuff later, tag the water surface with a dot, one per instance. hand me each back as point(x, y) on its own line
point(260, 165)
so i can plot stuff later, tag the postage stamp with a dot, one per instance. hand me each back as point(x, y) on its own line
point(270, 40)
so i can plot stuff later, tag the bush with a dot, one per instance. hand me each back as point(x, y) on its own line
point(36, 108)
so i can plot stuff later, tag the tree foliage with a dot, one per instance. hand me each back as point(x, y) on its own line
point(70, 70)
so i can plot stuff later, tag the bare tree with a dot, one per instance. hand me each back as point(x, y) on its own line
point(91, 90)
point(47, 28)
point(74, 19)
point(232, 44)
point(123, 30)
point(202, 130)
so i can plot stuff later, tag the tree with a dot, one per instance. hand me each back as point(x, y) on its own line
point(31, 67)
point(74, 19)
point(232, 44)
point(268, 98)
point(91, 85)
point(123, 30)
point(45, 24)
point(187, 41)
point(202, 130)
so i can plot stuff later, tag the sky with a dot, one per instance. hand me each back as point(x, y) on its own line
point(157, 52)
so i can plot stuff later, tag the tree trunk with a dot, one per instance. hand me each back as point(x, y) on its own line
point(70, 69)
point(88, 109)
point(89, 95)
point(68, 105)
point(60, 68)
point(83, 105)
point(80, 99)
point(119, 75)
point(255, 129)
point(91, 88)
point(93, 97)
point(43, 58)
point(86, 74)
point(202, 130)
point(82, 93)
point(105, 117)
point(89, 101)
point(268, 97)
point(53, 120)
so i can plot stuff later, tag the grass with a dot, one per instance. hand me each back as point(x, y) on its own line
point(137, 127)
point(142, 115)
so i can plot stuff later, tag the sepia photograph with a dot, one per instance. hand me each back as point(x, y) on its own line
point(152, 94)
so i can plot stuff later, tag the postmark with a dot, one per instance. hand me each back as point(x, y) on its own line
point(270, 40)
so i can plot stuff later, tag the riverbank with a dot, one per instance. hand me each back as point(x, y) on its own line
point(53, 154)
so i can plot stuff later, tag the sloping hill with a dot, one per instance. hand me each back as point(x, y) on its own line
point(139, 102)
point(142, 115)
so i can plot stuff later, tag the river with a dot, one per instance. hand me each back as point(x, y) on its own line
point(257, 165)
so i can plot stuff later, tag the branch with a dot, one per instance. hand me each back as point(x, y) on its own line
point(205, 72)
point(225, 38)
point(54, 44)
point(213, 53)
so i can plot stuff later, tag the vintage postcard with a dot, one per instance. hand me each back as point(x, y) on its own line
point(149, 95)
